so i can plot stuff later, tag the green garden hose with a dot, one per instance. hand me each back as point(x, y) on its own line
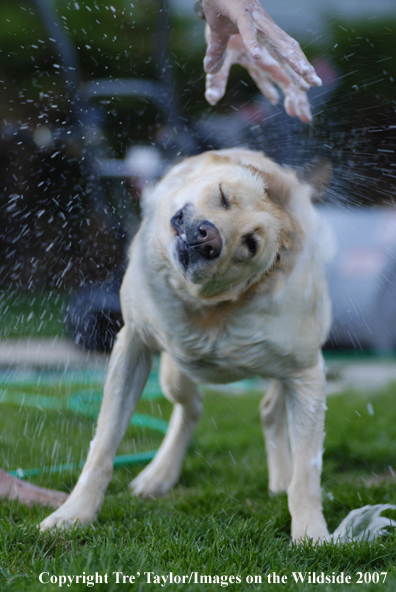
point(83, 402)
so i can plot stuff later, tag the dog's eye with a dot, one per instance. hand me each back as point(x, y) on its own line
point(224, 201)
point(251, 243)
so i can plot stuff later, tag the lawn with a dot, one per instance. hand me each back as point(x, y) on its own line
point(218, 523)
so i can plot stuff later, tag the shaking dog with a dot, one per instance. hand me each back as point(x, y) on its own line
point(226, 279)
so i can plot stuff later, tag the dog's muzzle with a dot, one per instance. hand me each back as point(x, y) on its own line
point(196, 240)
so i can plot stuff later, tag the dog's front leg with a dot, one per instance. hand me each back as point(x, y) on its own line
point(274, 422)
point(306, 404)
point(129, 368)
point(164, 470)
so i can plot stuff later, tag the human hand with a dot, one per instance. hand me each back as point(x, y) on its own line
point(240, 31)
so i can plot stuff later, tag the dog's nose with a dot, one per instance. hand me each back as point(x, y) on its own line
point(208, 240)
point(202, 237)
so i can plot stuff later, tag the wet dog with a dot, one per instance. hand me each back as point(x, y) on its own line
point(226, 279)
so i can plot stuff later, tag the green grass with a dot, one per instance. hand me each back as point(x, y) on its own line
point(219, 520)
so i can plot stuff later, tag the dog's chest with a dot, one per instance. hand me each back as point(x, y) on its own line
point(250, 342)
point(269, 334)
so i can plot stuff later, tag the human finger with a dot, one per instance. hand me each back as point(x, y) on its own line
point(216, 83)
point(248, 33)
point(265, 86)
point(262, 75)
point(215, 51)
point(296, 104)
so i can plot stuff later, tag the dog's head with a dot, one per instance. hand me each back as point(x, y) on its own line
point(221, 224)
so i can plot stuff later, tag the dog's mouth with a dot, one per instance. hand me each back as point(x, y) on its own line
point(197, 241)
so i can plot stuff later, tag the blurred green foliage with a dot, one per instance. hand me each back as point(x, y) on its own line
point(364, 55)
point(117, 39)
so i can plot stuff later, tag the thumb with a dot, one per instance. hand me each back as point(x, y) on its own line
point(215, 51)
point(216, 84)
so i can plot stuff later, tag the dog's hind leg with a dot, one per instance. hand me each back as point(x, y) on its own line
point(274, 422)
point(306, 405)
point(164, 470)
point(129, 368)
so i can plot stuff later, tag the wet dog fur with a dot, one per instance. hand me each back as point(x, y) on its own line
point(226, 280)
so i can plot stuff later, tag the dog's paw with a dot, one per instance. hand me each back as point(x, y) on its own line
point(66, 517)
point(54, 521)
point(315, 533)
point(153, 481)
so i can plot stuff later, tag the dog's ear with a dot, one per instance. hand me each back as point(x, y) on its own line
point(278, 184)
point(317, 174)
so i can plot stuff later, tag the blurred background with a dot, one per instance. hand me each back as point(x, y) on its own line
point(98, 98)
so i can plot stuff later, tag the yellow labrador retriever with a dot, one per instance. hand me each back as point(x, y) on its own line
point(226, 279)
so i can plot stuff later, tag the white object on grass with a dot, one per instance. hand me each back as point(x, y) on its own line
point(363, 524)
